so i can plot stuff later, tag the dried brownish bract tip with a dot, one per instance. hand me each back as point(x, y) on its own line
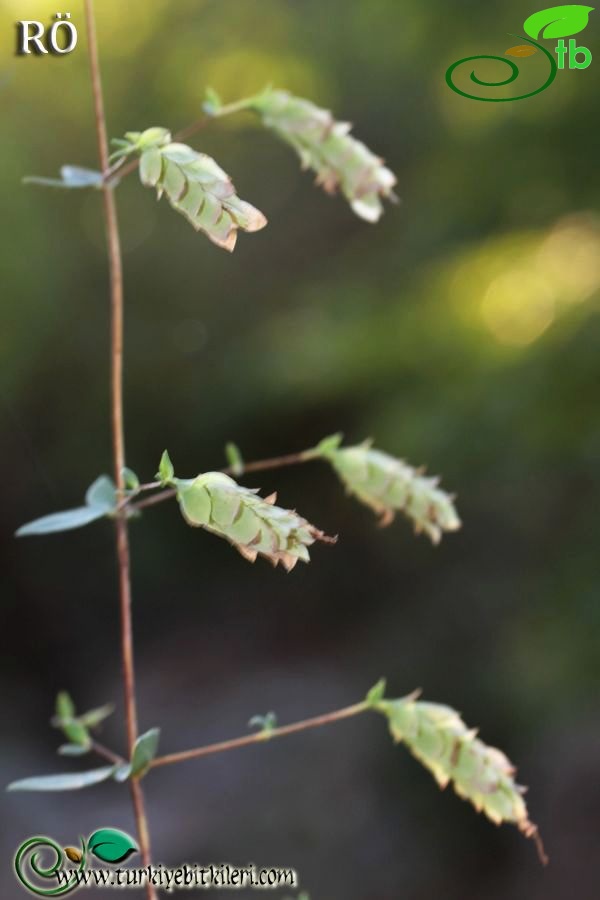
point(254, 525)
point(437, 736)
point(195, 186)
point(521, 50)
point(340, 161)
point(388, 485)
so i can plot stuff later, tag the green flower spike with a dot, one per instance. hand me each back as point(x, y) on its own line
point(437, 736)
point(195, 186)
point(323, 145)
point(255, 526)
point(389, 485)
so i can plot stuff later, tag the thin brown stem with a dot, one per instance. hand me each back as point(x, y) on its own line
point(261, 736)
point(190, 130)
point(117, 415)
point(106, 754)
point(276, 462)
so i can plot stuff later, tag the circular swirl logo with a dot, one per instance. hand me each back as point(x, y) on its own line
point(555, 22)
point(32, 872)
point(40, 860)
point(514, 73)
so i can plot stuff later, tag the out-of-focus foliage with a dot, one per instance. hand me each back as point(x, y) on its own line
point(462, 332)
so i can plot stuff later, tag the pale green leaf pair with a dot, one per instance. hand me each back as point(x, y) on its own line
point(144, 752)
point(76, 728)
point(266, 724)
point(100, 501)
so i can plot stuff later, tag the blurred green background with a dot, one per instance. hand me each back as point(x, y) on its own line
point(461, 332)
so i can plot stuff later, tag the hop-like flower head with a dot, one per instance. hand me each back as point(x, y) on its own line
point(437, 736)
point(255, 526)
point(195, 186)
point(388, 485)
point(327, 147)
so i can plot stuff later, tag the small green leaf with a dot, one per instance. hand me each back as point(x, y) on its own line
point(144, 751)
point(212, 102)
point(76, 732)
point(132, 482)
point(66, 720)
point(166, 472)
point(94, 717)
point(122, 772)
point(267, 723)
point(558, 21)
point(100, 499)
point(234, 458)
point(102, 494)
point(65, 708)
point(69, 782)
point(377, 693)
point(70, 177)
point(328, 445)
point(61, 521)
point(73, 750)
point(111, 845)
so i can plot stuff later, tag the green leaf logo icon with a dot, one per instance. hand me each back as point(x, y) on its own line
point(111, 845)
point(558, 21)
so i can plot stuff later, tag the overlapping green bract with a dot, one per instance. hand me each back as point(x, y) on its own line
point(389, 485)
point(325, 146)
point(437, 736)
point(195, 186)
point(255, 526)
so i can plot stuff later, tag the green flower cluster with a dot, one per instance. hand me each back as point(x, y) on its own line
point(323, 145)
point(389, 485)
point(437, 736)
point(255, 526)
point(195, 186)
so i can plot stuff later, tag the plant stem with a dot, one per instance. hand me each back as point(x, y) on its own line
point(276, 462)
point(261, 736)
point(122, 537)
point(107, 754)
